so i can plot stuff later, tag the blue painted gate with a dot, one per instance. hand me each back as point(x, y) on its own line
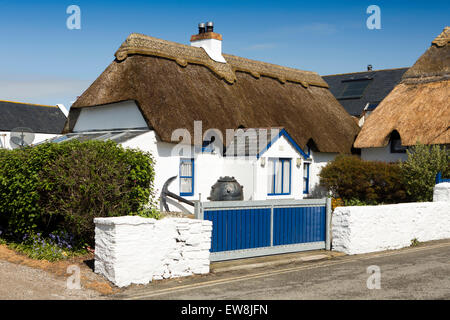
point(254, 228)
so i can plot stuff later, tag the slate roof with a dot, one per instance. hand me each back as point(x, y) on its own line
point(39, 118)
point(381, 82)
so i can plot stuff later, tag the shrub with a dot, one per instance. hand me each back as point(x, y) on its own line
point(64, 186)
point(53, 248)
point(358, 181)
point(420, 170)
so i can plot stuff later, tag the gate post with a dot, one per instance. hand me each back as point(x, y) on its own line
point(198, 210)
point(328, 225)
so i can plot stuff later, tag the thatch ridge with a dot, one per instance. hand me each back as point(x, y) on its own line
point(171, 96)
point(184, 54)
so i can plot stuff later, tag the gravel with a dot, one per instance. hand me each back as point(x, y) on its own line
point(19, 282)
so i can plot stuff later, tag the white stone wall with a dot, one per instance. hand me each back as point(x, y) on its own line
point(363, 229)
point(442, 192)
point(138, 250)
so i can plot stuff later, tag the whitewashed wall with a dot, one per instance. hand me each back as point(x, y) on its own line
point(136, 250)
point(363, 229)
point(382, 154)
point(319, 160)
point(441, 192)
point(121, 115)
point(208, 168)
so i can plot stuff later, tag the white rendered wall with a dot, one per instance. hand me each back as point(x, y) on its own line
point(136, 250)
point(441, 192)
point(363, 229)
point(208, 168)
point(319, 160)
point(121, 115)
point(382, 154)
point(38, 137)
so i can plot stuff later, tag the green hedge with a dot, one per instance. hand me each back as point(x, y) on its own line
point(64, 186)
point(420, 170)
point(369, 182)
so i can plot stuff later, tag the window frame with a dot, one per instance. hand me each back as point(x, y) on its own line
point(307, 178)
point(187, 160)
point(282, 160)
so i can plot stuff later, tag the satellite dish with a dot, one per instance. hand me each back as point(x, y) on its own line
point(21, 137)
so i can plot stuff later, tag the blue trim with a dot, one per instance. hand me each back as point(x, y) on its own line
point(288, 137)
point(439, 178)
point(306, 191)
point(282, 160)
point(187, 177)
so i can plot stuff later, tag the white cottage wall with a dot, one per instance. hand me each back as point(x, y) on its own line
point(382, 154)
point(121, 115)
point(319, 160)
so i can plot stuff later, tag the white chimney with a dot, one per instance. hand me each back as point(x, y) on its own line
point(210, 41)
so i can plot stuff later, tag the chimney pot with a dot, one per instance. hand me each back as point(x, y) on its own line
point(210, 41)
point(201, 28)
point(209, 26)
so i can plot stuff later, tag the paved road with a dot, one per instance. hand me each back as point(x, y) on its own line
point(414, 273)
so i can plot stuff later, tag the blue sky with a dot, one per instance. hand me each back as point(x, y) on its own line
point(44, 62)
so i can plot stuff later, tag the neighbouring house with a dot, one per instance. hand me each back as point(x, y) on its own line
point(361, 92)
point(28, 124)
point(417, 110)
point(270, 127)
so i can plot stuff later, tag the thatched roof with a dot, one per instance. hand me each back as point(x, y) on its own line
point(175, 84)
point(418, 107)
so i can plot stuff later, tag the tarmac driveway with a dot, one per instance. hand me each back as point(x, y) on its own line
point(413, 273)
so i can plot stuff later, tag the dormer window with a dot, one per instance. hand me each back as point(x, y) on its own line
point(396, 143)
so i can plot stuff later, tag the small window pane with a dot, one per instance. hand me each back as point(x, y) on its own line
point(186, 169)
point(278, 175)
point(286, 175)
point(186, 185)
point(270, 177)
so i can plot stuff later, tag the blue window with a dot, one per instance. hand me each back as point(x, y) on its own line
point(186, 177)
point(279, 177)
point(306, 166)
